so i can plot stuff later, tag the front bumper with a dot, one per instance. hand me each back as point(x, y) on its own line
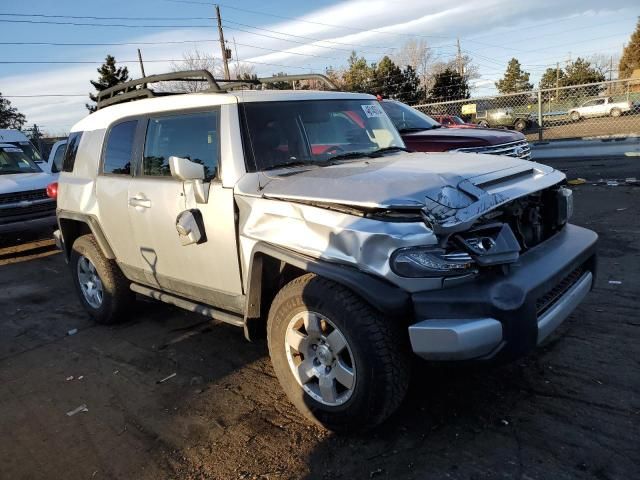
point(29, 224)
point(507, 315)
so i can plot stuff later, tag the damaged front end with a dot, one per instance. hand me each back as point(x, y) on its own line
point(448, 232)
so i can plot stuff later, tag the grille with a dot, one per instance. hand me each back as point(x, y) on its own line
point(17, 214)
point(549, 299)
point(519, 149)
point(16, 197)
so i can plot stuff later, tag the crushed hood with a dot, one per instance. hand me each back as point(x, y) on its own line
point(450, 189)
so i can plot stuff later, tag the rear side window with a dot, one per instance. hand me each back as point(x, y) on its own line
point(194, 136)
point(58, 158)
point(71, 151)
point(117, 155)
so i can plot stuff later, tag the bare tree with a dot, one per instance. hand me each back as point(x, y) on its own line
point(194, 60)
point(418, 55)
point(605, 64)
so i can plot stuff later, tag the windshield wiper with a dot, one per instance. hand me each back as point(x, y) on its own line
point(380, 151)
point(418, 129)
point(345, 156)
point(292, 163)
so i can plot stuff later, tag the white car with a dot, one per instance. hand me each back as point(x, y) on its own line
point(24, 200)
point(56, 155)
point(599, 107)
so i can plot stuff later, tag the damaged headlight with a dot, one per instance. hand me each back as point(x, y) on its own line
point(419, 262)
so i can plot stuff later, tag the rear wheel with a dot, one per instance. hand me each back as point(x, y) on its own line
point(520, 125)
point(616, 112)
point(575, 116)
point(339, 361)
point(483, 124)
point(103, 289)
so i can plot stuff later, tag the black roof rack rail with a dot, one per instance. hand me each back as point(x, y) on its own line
point(137, 89)
point(305, 76)
point(127, 91)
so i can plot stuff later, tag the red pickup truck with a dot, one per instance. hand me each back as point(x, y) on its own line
point(422, 133)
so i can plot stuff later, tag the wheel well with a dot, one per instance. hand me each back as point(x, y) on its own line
point(267, 276)
point(71, 230)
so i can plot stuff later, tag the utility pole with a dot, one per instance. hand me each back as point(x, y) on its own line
point(557, 80)
point(459, 60)
point(223, 47)
point(141, 64)
point(610, 67)
point(235, 49)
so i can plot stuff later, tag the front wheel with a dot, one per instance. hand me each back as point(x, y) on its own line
point(575, 116)
point(340, 362)
point(483, 124)
point(616, 112)
point(520, 125)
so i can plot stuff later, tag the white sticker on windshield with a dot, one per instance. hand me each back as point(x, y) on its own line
point(12, 150)
point(372, 110)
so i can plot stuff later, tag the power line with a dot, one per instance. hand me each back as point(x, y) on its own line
point(79, 24)
point(79, 17)
point(246, 10)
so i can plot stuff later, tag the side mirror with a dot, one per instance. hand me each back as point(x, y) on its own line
point(184, 169)
point(192, 174)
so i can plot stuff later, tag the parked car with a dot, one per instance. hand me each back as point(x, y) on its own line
point(486, 115)
point(301, 214)
point(53, 164)
point(453, 121)
point(24, 203)
point(422, 133)
point(20, 140)
point(600, 107)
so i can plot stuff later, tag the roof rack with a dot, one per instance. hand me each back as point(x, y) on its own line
point(137, 89)
point(127, 91)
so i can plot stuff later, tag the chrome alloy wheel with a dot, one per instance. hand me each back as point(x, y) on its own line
point(90, 282)
point(320, 358)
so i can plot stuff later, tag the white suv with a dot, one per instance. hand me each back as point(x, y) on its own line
point(301, 215)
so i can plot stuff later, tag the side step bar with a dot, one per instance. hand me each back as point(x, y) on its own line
point(205, 310)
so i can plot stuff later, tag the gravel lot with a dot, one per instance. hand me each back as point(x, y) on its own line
point(570, 410)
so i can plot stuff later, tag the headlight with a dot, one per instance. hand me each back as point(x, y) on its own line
point(418, 262)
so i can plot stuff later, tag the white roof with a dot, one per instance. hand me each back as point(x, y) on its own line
point(104, 117)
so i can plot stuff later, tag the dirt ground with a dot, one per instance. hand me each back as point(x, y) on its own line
point(570, 410)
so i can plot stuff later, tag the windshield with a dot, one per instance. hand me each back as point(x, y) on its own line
point(29, 151)
point(406, 118)
point(14, 160)
point(314, 131)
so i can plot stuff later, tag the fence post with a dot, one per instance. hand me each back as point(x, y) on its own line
point(540, 120)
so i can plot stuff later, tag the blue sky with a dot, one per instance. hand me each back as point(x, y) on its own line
point(538, 33)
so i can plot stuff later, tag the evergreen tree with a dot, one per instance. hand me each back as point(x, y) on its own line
point(10, 117)
point(110, 76)
point(359, 76)
point(448, 85)
point(386, 77)
point(630, 59)
point(410, 90)
point(515, 79)
point(581, 71)
point(552, 78)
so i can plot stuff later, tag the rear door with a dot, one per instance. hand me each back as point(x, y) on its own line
point(209, 271)
point(112, 192)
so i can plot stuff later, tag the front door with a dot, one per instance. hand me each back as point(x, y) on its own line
point(209, 271)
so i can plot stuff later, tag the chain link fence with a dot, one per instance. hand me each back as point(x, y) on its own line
point(591, 110)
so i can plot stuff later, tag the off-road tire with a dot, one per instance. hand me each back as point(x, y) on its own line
point(574, 116)
point(615, 112)
point(520, 125)
point(117, 296)
point(380, 347)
